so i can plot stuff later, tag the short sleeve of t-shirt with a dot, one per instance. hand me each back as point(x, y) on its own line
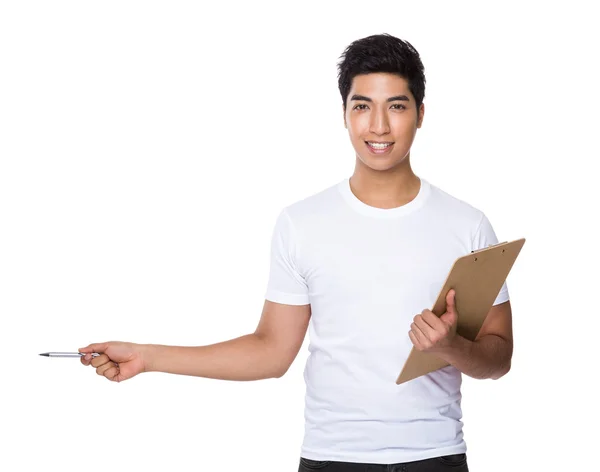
point(286, 284)
point(484, 237)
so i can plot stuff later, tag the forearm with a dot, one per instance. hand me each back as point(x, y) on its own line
point(487, 358)
point(248, 357)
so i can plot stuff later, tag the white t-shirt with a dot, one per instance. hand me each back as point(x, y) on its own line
point(366, 272)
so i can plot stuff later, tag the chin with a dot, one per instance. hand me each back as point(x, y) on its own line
point(380, 164)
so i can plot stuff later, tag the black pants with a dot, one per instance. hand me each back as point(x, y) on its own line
point(454, 462)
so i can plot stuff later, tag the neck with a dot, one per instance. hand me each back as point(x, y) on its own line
point(385, 189)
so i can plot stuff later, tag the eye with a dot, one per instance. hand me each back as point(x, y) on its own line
point(358, 107)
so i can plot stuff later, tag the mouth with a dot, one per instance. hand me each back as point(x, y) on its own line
point(379, 147)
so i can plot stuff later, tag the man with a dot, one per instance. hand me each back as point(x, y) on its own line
point(361, 259)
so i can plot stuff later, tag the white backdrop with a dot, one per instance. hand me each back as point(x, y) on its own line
point(146, 149)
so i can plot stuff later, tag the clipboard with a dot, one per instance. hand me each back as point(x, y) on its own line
point(477, 279)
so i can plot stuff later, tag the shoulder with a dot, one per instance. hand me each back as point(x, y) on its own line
point(315, 206)
point(450, 207)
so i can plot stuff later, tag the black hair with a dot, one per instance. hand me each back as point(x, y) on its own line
point(382, 53)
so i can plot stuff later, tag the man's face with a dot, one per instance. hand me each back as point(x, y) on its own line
point(370, 117)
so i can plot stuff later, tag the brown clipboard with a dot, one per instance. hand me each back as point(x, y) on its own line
point(477, 279)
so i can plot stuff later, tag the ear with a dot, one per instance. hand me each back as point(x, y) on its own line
point(421, 114)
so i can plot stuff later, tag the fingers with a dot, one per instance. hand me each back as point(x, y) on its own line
point(89, 349)
point(86, 360)
point(96, 347)
point(430, 319)
point(426, 329)
point(414, 340)
point(110, 370)
point(97, 362)
point(104, 366)
point(423, 328)
point(100, 360)
point(418, 334)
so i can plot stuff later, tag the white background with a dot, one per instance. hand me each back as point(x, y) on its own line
point(146, 149)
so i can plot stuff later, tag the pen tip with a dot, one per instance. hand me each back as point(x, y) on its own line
point(45, 354)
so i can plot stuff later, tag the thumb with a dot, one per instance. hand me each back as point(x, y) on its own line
point(451, 301)
point(97, 347)
point(450, 315)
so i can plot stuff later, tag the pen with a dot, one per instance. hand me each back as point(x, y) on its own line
point(67, 354)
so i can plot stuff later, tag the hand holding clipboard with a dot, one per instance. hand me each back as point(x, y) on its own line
point(476, 279)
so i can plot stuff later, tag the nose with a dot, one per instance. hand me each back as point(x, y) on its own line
point(379, 124)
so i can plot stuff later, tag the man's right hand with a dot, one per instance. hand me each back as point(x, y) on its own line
point(117, 361)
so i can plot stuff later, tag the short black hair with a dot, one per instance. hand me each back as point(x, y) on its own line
point(382, 53)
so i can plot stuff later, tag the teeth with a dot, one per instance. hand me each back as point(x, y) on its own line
point(380, 145)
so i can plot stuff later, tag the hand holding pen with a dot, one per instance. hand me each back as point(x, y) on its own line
point(115, 360)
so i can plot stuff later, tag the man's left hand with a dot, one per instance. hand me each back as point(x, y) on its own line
point(431, 333)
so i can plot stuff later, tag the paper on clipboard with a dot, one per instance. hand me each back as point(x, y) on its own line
point(477, 279)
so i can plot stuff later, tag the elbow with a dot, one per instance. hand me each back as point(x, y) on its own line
point(280, 372)
point(502, 372)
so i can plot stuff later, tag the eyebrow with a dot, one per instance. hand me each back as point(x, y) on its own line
point(391, 99)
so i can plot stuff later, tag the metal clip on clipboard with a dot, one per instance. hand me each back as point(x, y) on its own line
point(491, 245)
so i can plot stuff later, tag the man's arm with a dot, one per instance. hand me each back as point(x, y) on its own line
point(489, 356)
point(266, 353)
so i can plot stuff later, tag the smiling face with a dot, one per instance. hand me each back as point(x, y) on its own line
point(381, 109)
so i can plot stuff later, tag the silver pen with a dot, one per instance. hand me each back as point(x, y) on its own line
point(67, 354)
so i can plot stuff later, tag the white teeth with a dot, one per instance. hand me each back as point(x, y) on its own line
point(380, 145)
